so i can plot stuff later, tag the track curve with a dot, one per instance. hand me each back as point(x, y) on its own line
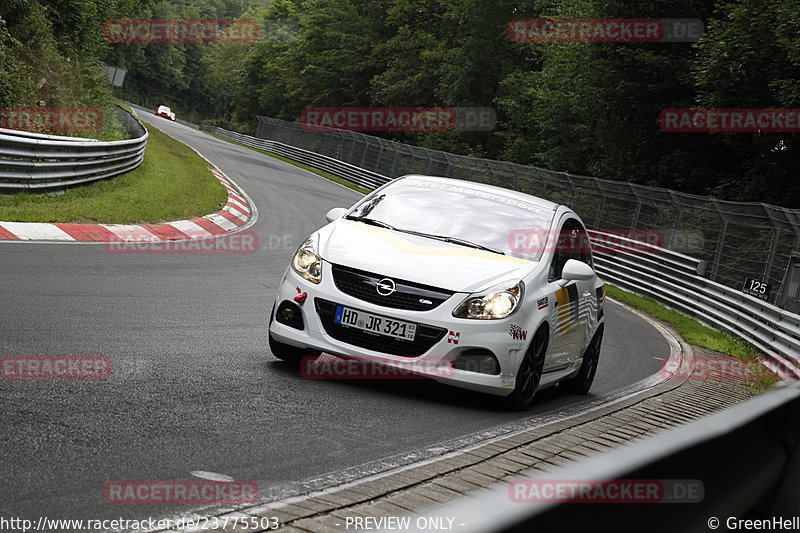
point(194, 387)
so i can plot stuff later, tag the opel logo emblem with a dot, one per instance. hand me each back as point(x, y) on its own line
point(385, 287)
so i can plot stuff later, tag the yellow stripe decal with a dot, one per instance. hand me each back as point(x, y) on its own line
point(401, 243)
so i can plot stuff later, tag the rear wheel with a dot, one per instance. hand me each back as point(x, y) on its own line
point(529, 374)
point(582, 382)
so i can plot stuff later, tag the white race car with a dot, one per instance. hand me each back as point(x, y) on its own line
point(166, 112)
point(494, 289)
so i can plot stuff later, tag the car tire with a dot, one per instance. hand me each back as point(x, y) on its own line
point(288, 353)
point(529, 374)
point(582, 382)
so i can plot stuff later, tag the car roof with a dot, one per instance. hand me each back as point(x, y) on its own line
point(541, 202)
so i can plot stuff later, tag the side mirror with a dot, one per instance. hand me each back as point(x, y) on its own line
point(335, 213)
point(576, 270)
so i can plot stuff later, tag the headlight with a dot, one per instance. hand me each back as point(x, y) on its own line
point(306, 262)
point(498, 302)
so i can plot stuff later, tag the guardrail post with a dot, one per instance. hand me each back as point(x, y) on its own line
point(791, 280)
point(393, 172)
point(771, 257)
point(720, 242)
point(677, 225)
point(638, 209)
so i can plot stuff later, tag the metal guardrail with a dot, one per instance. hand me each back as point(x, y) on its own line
point(670, 277)
point(674, 280)
point(32, 161)
point(353, 174)
point(747, 458)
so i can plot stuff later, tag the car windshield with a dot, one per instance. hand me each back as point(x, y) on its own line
point(458, 213)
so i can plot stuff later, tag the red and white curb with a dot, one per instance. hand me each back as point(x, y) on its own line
point(235, 214)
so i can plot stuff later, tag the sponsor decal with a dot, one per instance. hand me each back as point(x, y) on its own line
point(468, 191)
point(301, 297)
point(453, 337)
point(517, 333)
point(567, 303)
point(541, 303)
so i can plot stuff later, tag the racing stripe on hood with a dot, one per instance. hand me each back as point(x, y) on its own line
point(398, 241)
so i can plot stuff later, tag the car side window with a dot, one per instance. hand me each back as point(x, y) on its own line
point(571, 244)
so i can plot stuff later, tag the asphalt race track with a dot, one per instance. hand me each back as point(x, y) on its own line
point(193, 384)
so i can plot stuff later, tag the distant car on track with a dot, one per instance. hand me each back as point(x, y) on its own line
point(434, 269)
point(166, 112)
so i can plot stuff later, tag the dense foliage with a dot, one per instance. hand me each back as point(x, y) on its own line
point(588, 108)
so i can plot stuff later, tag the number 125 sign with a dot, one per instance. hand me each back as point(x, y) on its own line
point(756, 288)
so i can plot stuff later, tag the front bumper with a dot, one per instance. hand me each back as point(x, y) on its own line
point(460, 335)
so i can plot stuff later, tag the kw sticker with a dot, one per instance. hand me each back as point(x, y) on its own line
point(453, 337)
point(517, 333)
point(567, 301)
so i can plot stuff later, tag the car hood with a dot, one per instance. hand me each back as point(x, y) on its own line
point(412, 258)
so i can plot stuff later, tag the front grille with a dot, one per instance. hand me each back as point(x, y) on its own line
point(425, 338)
point(408, 296)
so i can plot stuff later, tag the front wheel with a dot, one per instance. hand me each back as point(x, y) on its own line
point(529, 374)
point(582, 382)
point(286, 352)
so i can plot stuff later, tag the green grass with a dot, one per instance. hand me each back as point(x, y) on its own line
point(326, 175)
point(694, 332)
point(172, 183)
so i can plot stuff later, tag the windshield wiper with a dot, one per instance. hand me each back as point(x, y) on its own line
point(444, 238)
point(370, 221)
point(455, 240)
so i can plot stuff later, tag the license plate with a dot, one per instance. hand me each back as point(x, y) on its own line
point(375, 324)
